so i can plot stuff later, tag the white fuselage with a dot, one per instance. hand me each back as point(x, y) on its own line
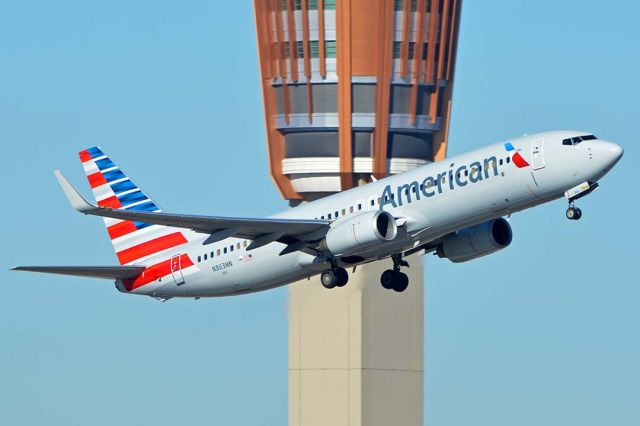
point(430, 202)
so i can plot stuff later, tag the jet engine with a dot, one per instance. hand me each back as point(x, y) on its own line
point(476, 241)
point(360, 232)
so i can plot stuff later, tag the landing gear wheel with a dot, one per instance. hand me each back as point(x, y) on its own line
point(578, 213)
point(400, 282)
point(342, 277)
point(572, 213)
point(394, 280)
point(387, 278)
point(328, 279)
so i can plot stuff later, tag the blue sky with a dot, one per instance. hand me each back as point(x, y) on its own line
point(543, 332)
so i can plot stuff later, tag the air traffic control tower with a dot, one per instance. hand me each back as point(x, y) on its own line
point(354, 89)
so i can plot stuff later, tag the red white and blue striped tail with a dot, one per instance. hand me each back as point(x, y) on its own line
point(134, 242)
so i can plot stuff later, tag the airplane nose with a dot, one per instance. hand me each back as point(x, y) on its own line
point(612, 152)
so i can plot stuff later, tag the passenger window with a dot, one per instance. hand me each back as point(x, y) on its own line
point(344, 212)
point(218, 252)
point(350, 209)
point(225, 250)
point(359, 206)
point(231, 248)
point(244, 243)
point(336, 215)
point(373, 202)
point(322, 217)
point(199, 259)
point(508, 160)
point(329, 216)
point(238, 246)
point(212, 255)
point(501, 161)
point(379, 200)
point(205, 256)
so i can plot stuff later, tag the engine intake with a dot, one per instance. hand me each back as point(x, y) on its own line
point(476, 241)
point(360, 232)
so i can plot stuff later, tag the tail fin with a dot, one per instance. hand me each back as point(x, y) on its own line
point(133, 242)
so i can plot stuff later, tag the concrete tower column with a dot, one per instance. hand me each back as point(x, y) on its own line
point(356, 353)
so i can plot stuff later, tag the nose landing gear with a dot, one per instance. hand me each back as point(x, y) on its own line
point(579, 191)
point(393, 279)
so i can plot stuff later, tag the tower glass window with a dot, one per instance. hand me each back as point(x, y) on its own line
point(314, 49)
point(330, 48)
point(363, 97)
point(399, 5)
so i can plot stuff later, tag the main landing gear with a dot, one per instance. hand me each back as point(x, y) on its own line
point(573, 212)
point(393, 279)
point(334, 277)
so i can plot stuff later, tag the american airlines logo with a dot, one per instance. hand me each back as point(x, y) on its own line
point(454, 177)
point(517, 158)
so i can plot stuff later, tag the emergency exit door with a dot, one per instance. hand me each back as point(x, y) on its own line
point(176, 269)
point(537, 154)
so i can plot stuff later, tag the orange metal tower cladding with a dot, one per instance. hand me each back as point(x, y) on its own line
point(353, 88)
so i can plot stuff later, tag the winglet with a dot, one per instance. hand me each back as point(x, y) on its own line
point(77, 201)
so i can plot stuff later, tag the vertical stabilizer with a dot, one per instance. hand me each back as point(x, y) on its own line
point(133, 242)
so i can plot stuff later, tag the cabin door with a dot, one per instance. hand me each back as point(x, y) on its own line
point(537, 154)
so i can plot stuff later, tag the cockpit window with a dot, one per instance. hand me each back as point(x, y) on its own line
point(578, 139)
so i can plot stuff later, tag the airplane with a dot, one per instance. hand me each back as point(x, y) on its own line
point(454, 208)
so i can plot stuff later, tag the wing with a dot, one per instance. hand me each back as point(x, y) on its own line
point(106, 272)
point(261, 231)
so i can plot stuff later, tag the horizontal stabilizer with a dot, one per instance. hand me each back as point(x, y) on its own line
point(106, 272)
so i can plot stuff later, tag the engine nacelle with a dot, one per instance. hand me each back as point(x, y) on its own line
point(476, 241)
point(360, 232)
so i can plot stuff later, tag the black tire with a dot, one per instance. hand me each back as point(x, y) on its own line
point(328, 279)
point(400, 282)
point(342, 277)
point(578, 213)
point(571, 213)
point(387, 278)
